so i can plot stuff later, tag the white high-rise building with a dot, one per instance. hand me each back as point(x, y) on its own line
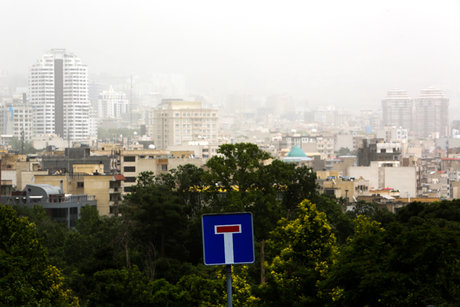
point(16, 118)
point(112, 104)
point(58, 92)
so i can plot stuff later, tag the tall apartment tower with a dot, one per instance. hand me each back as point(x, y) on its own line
point(397, 109)
point(58, 86)
point(432, 114)
point(178, 122)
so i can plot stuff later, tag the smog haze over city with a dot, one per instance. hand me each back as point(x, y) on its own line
point(342, 53)
point(187, 153)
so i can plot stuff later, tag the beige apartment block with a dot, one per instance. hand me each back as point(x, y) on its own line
point(178, 122)
point(349, 188)
point(107, 189)
point(455, 189)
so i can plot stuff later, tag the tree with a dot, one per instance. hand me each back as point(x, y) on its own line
point(398, 265)
point(24, 147)
point(115, 133)
point(239, 180)
point(189, 180)
point(300, 183)
point(94, 245)
point(344, 151)
point(342, 224)
point(26, 277)
point(234, 174)
point(157, 224)
point(208, 287)
point(51, 233)
point(304, 249)
point(242, 179)
point(130, 287)
point(158, 218)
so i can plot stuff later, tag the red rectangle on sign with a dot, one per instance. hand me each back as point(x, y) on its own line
point(230, 228)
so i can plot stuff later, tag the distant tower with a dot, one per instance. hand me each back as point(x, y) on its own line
point(58, 85)
point(397, 109)
point(16, 119)
point(432, 114)
point(112, 104)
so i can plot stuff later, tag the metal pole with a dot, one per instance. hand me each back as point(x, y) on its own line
point(229, 285)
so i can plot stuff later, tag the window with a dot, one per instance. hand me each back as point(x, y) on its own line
point(80, 184)
point(129, 189)
point(129, 158)
point(129, 169)
point(115, 197)
point(164, 167)
point(130, 179)
point(113, 210)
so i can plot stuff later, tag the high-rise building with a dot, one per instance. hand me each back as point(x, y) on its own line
point(432, 114)
point(16, 118)
point(178, 122)
point(397, 109)
point(58, 87)
point(112, 104)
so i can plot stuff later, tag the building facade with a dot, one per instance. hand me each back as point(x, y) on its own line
point(58, 93)
point(60, 207)
point(178, 122)
point(17, 120)
point(112, 104)
point(397, 109)
point(432, 114)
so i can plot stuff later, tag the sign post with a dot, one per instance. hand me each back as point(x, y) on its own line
point(228, 239)
point(229, 285)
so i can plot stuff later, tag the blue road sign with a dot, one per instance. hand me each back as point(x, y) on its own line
point(228, 238)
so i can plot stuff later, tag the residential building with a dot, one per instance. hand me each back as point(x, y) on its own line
point(134, 162)
point(105, 188)
point(16, 118)
point(349, 188)
point(378, 150)
point(397, 109)
point(59, 206)
point(322, 144)
point(432, 114)
point(178, 122)
point(388, 174)
point(112, 104)
point(65, 161)
point(58, 93)
point(393, 134)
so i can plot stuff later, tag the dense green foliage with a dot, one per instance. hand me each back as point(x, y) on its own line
point(308, 252)
point(26, 276)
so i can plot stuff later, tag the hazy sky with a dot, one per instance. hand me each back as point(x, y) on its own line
point(328, 52)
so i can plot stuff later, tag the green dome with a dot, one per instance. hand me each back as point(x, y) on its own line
point(296, 152)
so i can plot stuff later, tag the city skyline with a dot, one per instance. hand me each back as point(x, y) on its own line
point(358, 49)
